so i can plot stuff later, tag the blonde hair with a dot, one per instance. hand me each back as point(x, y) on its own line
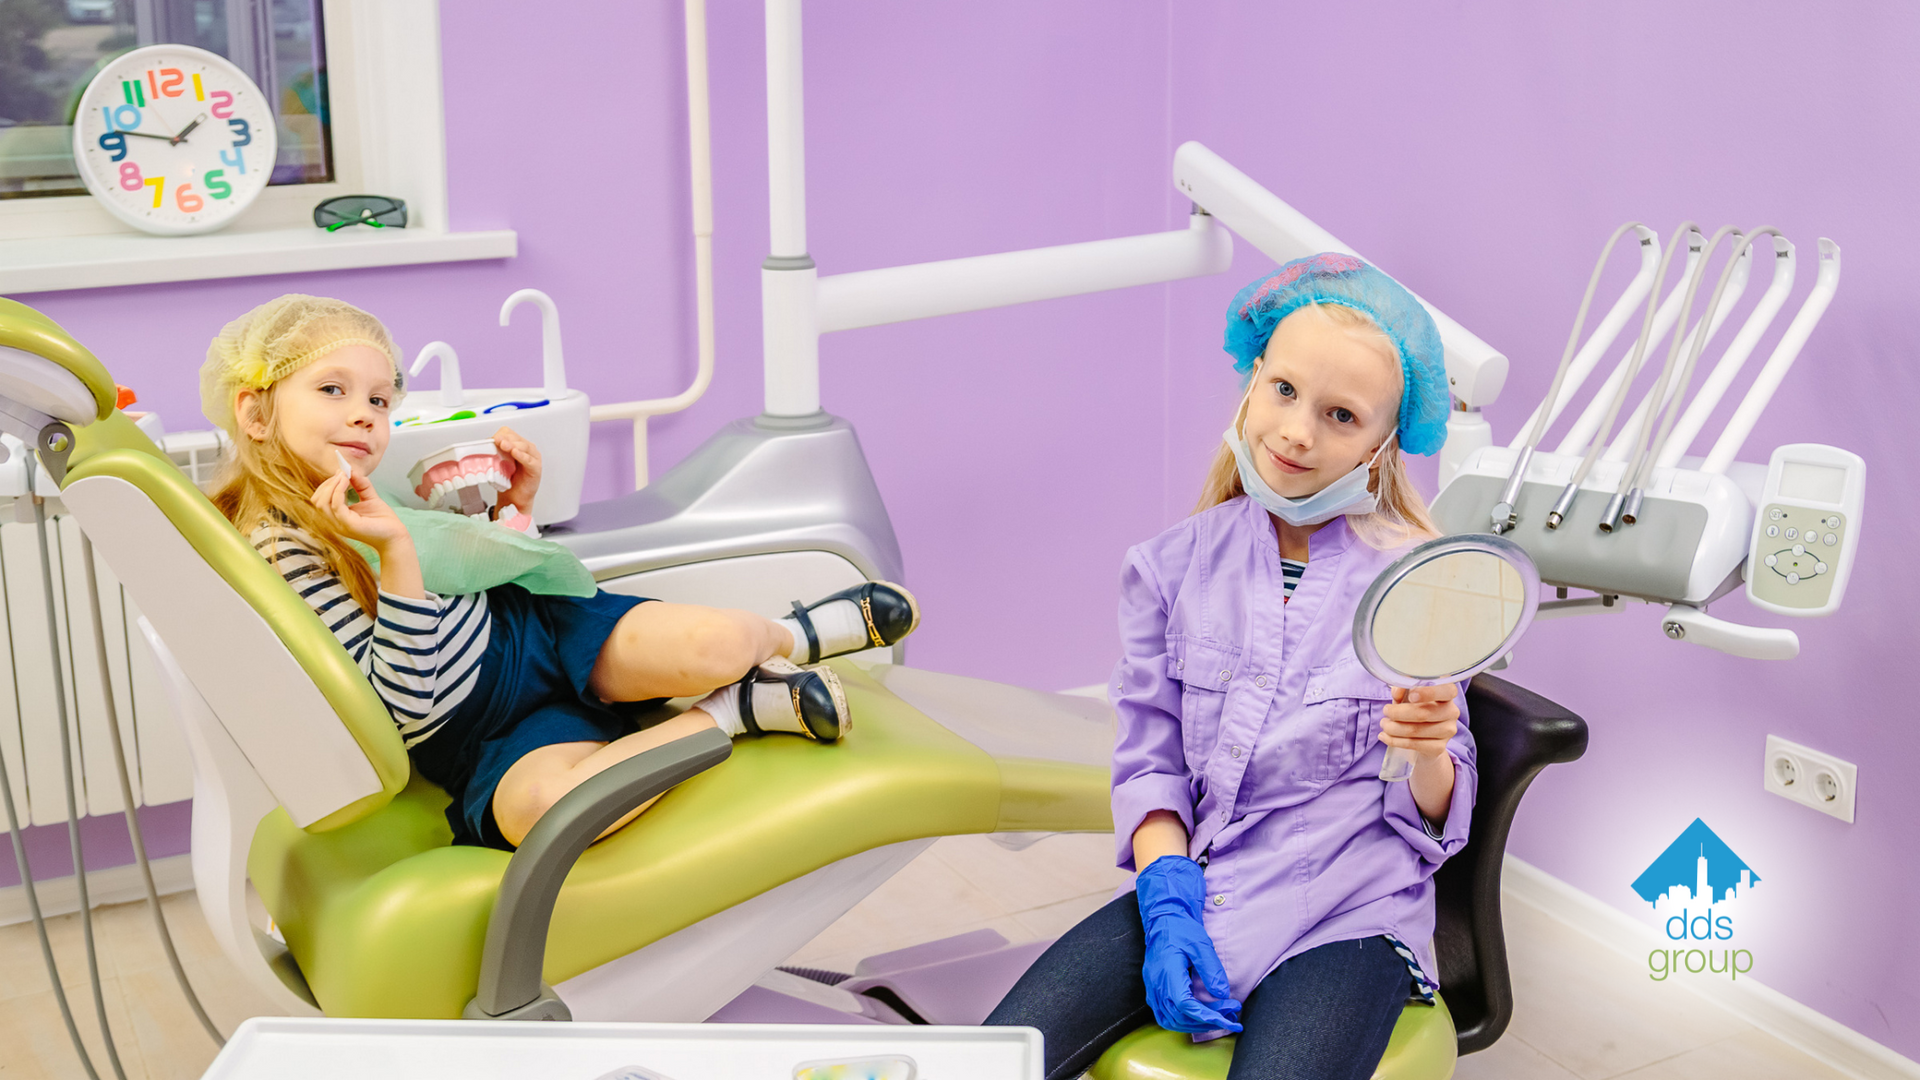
point(1401, 515)
point(263, 481)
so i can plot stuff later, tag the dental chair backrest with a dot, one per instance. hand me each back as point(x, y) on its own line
point(294, 703)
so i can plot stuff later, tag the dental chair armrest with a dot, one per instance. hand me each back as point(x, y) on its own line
point(1516, 733)
point(516, 948)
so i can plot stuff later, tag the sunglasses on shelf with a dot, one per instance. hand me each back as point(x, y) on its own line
point(378, 211)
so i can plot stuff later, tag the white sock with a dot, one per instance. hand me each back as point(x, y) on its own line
point(841, 626)
point(772, 708)
point(724, 706)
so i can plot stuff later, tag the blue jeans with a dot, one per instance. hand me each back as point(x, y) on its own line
point(1323, 1015)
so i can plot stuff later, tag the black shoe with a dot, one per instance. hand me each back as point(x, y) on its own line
point(890, 611)
point(818, 708)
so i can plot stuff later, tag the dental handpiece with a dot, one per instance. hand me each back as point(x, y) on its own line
point(1504, 515)
point(1624, 507)
point(1657, 448)
point(1565, 502)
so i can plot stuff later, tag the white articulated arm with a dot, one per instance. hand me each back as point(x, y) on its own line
point(1684, 623)
point(1475, 369)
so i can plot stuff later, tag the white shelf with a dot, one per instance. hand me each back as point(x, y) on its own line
point(93, 262)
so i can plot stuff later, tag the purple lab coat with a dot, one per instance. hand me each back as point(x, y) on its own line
point(1253, 720)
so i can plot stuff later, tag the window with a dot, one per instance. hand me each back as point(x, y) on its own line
point(359, 109)
point(50, 50)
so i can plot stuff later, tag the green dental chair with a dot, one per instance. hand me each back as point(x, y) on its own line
point(307, 814)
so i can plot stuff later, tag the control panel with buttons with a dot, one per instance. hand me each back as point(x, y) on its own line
point(1805, 534)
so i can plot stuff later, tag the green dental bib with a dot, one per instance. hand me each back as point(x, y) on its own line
point(461, 555)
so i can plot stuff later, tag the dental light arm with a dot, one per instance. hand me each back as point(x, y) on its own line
point(1711, 391)
point(1777, 366)
point(510, 987)
point(1476, 372)
point(1504, 516)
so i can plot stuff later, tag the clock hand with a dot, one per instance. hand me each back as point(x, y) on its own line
point(178, 139)
point(146, 135)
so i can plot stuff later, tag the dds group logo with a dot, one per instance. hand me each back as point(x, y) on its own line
point(1697, 887)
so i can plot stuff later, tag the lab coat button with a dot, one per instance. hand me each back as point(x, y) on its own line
point(1236, 750)
point(1219, 898)
point(1261, 681)
point(1225, 675)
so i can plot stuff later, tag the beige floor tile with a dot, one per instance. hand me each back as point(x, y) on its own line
point(1510, 1059)
point(1592, 1010)
point(34, 1041)
point(1056, 919)
point(927, 900)
point(23, 970)
point(1750, 1055)
point(1054, 869)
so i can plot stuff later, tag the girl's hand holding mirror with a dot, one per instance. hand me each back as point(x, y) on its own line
point(1422, 719)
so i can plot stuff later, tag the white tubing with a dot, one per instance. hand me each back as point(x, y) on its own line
point(923, 290)
point(1602, 339)
point(699, 138)
point(1693, 343)
point(1777, 366)
point(1476, 371)
point(1588, 422)
point(1711, 391)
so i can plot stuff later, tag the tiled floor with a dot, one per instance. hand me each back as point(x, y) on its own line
point(1583, 1012)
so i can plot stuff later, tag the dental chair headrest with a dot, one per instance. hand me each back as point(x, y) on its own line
point(44, 368)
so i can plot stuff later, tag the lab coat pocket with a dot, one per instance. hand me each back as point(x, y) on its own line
point(1343, 704)
point(1206, 671)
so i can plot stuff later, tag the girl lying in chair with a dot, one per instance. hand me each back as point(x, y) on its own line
point(507, 698)
point(1275, 867)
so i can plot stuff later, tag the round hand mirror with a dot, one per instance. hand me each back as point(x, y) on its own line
point(1443, 612)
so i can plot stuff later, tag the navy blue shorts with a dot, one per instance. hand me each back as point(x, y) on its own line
point(531, 691)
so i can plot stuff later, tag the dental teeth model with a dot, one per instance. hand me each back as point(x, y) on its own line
point(466, 478)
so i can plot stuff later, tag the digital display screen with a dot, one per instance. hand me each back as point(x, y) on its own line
point(1819, 483)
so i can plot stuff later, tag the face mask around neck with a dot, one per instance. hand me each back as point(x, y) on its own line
point(1347, 495)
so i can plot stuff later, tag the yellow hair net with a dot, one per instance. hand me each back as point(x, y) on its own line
point(279, 338)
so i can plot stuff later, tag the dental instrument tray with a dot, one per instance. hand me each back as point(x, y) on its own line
point(316, 1048)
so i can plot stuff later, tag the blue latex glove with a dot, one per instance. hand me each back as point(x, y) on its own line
point(1171, 893)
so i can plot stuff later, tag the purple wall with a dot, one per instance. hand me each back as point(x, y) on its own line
point(1480, 154)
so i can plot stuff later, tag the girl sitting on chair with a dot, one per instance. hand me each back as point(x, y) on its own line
point(506, 698)
point(1275, 867)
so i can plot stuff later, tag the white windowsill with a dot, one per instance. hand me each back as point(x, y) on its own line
point(93, 262)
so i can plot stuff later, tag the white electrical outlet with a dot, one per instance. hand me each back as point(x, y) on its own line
point(1810, 777)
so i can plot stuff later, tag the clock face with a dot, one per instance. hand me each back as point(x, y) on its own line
point(174, 139)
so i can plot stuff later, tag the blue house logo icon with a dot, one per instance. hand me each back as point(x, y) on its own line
point(1698, 867)
point(1696, 887)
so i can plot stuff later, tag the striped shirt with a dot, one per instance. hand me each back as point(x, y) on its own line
point(421, 655)
point(1290, 572)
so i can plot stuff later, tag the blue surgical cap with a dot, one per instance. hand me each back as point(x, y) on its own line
point(1333, 278)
